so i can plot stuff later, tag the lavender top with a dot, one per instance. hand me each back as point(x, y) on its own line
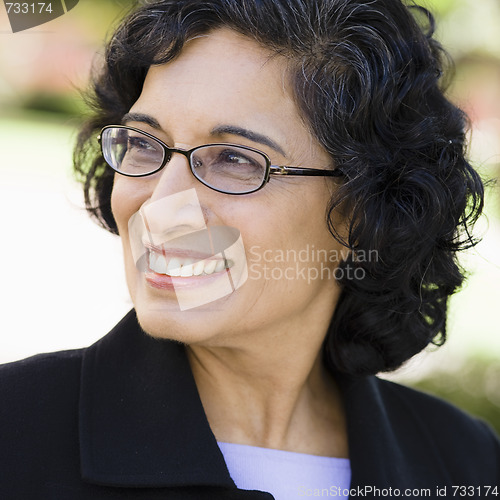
point(286, 475)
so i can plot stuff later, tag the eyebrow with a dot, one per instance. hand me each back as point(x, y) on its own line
point(140, 117)
point(248, 134)
point(219, 130)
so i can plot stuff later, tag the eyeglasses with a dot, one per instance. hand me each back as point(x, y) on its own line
point(226, 168)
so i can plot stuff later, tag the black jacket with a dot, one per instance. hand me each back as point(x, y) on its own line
point(123, 419)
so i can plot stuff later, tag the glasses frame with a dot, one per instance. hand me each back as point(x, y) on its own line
point(271, 169)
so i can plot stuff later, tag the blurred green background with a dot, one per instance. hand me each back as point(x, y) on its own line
point(65, 272)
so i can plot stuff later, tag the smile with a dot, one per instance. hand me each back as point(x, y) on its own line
point(185, 267)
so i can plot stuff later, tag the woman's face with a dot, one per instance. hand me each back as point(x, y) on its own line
point(225, 88)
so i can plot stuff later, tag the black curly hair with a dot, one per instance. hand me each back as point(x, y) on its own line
point(367, 78)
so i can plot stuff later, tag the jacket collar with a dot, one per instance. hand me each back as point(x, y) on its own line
point(141, 419)
point(142, 422)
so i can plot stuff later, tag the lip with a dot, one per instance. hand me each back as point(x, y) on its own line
point(177, 252)
point(172, 283)
point(164, 282)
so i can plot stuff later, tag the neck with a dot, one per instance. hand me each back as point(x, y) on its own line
point(273, 393)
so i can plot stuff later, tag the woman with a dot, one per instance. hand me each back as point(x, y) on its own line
point(290, 188)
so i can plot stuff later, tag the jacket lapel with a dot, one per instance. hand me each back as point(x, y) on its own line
point(141, 419)
point(389, 441)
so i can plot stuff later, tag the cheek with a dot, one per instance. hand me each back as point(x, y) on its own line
point(126, 198)
point(301, 219)
point(284, 220)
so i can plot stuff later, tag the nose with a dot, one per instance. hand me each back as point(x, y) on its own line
point(174, 208)
point(175, 177)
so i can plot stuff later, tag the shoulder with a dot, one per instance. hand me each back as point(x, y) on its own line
point(36, 371)
point(424, 438)
point(53, 372)
point(441, 428)
point(433, 412)
point(42, 392)
point(44, 385)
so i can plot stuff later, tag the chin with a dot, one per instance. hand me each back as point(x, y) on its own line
point(163, 319)
point(173, 326)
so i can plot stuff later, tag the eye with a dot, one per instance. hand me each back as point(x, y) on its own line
point(234, 157)
point(141, 154)
point(237, 159)
point(140, 143)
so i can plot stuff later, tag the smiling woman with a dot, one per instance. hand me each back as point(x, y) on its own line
point(227, 131)
point(217, 111)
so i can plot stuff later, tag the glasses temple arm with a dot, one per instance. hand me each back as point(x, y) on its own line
point(282, 170)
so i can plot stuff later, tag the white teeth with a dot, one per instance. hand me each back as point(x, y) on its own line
point(152, 261)
point(161, 264)
point(187, 269)
point(219, 266)
point(198, 267)
point(210, 266)
point(157, 263)
point(174, 267)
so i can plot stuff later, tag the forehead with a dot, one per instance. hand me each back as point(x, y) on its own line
point(224, 76)
point(224, 59)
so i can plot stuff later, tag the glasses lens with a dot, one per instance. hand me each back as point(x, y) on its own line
point(230, 169)
point(130, 152)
